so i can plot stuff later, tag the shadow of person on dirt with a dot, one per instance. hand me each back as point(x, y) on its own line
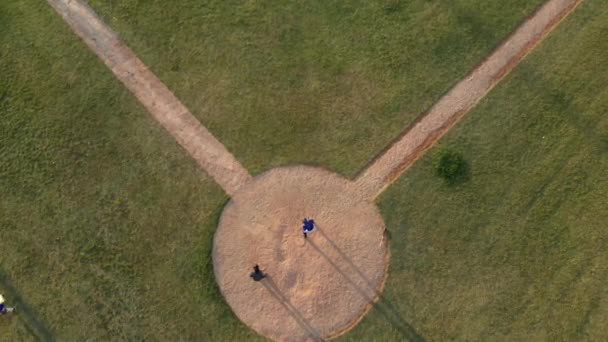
point(33, 323)
point(293, 311)
point(382, 305)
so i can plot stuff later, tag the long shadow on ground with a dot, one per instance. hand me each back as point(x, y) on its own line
point(382, 305)
point(293, 311)
point(31, 319)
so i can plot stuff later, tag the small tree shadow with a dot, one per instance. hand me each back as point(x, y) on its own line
point(33, 323)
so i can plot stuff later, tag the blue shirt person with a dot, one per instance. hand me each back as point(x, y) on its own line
point(309, 226)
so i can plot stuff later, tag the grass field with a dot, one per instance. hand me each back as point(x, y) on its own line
point(319, 82)
point(106, 224)
point(519, 251)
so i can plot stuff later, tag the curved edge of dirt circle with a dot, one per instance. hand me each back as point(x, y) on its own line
point(356, 273)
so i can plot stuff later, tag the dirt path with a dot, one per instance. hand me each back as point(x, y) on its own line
point(389, 165)
point(318, 287)
point(210, 154)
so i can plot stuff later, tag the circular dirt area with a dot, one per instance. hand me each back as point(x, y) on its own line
point(315, 288)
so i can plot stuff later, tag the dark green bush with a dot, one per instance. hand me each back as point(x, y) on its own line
point(452, 167)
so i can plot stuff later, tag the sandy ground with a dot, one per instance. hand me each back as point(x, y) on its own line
point(459, 100)
point(317, 287)
point(210, 154)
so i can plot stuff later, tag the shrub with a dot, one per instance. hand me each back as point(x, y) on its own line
point(452, 167)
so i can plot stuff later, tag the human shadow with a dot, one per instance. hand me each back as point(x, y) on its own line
point(32, 321)
point(368, 291)
point(270, 285)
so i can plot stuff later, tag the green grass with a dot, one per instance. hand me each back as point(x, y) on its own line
point(106, 224)
point(318, 82)
point(518, 252)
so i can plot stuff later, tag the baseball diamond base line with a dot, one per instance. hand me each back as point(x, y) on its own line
point(389, 165)
point(218, 162)
point(350, 266)
point(209, 153)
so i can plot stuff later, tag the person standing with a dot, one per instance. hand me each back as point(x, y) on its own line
point(257, 274)
point(309, 227)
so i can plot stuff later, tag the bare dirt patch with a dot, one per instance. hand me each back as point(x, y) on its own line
point(389, 165)
point(208, 152)
point(317, 287)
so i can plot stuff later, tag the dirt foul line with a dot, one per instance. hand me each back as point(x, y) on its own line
point(210, 154)
point(390, 164)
